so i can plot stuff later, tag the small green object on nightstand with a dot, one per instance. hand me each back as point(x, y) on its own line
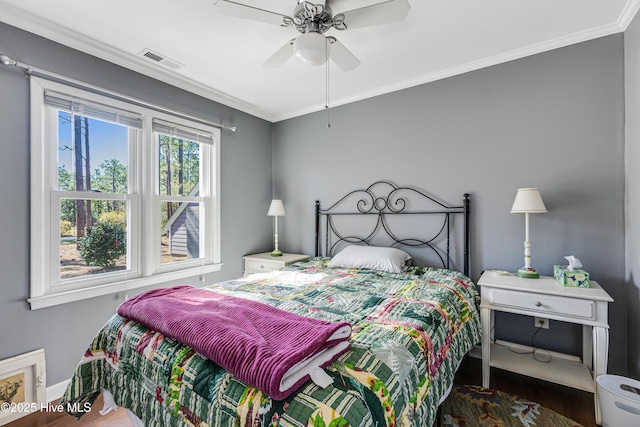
point(527, 273)
point(276, 253)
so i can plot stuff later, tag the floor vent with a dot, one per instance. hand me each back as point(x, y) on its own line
point(157, 58)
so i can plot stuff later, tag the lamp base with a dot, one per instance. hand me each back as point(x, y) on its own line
point(276, 253)
point(527, 273)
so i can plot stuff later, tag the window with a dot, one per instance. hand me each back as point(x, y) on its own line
point(122, 196)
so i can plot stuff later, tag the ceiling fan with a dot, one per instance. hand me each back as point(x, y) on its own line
point(312, 19)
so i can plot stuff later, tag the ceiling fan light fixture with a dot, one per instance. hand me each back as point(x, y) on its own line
point(311, 48)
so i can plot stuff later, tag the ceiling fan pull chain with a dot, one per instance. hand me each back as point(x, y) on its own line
point(326, 104)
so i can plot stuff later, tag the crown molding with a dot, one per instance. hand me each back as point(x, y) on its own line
point(21, 19)
point(52, 31)
point(512, 55)
point(628, 13)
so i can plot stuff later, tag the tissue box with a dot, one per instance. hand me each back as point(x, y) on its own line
point(575, 278)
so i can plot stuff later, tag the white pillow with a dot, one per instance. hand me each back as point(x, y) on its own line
point(391, 260)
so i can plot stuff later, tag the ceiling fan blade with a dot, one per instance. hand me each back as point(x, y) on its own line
point(381, 13)
point(250, 10)
point(281, 56)
point(341, 6)
point(342, 56)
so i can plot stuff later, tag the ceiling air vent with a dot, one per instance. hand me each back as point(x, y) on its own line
point(157, 58)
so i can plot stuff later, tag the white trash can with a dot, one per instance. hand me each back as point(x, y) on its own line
point(619, 401)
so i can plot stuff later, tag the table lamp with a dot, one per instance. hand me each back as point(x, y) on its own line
point(276, 209)
point(528, 201)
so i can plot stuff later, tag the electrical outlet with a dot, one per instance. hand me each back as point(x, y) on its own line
point(541, 323)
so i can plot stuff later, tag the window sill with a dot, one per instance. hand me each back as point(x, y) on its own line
point(58, 298)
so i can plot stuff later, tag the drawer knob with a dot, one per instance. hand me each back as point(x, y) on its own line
point(538, 303)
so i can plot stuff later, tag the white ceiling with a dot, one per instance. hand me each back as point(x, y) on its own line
point(223, 55)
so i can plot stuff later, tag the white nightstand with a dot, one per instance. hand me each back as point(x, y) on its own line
point(261, 263)
point(546, 298)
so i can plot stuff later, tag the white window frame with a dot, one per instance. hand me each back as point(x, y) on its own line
point(143, 212)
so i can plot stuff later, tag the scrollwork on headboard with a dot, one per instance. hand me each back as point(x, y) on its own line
point(384, 200)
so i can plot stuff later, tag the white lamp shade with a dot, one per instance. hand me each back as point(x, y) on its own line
point(276, 208)
point(528, 200)
point(311, 48)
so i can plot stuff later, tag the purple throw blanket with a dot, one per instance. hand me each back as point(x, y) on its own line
point(261, 345)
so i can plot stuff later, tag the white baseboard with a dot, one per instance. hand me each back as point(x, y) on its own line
point(56, 391)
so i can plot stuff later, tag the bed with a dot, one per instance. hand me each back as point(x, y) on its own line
point(409, 331)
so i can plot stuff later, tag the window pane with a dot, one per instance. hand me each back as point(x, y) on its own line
point(92, 154)
point(179, 168)
point(180, 233)
point(93, 237)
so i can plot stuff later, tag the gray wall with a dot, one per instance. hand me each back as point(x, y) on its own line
point(65, 331)
point(552, 121)
point(632, 192)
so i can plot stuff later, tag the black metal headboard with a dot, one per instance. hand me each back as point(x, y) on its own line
point(385, 200)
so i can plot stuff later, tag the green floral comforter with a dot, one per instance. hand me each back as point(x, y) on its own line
point(410, 332)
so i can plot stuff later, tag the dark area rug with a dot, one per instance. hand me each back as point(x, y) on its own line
point(474, 406)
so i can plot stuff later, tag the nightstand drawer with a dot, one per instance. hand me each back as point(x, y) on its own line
point(264, 262)
point(544, 304)
point(259, 265)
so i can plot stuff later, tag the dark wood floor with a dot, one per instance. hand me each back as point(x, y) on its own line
point(574, 404)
